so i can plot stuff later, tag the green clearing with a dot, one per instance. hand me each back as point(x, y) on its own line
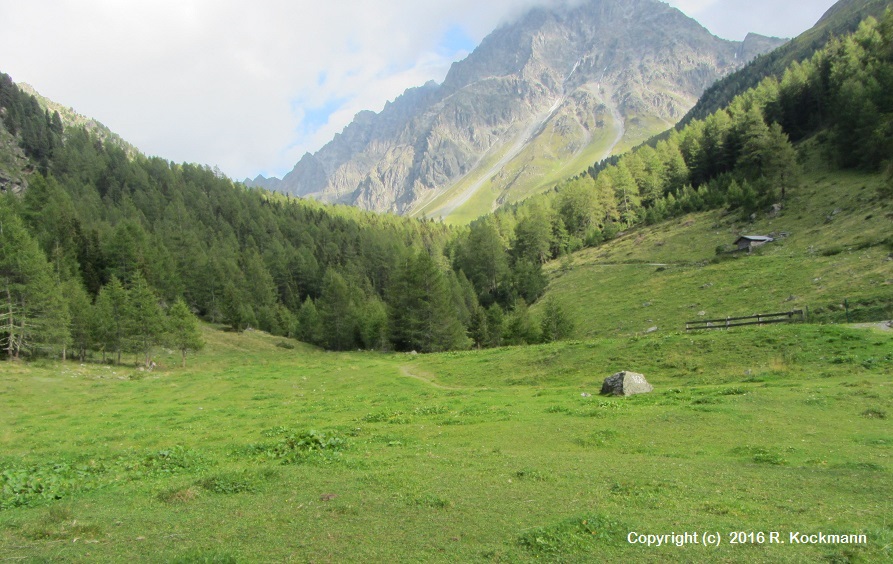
point(258, 452)
point(837, 250)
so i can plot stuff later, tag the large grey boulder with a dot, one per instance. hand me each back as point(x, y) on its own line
point(626, 384)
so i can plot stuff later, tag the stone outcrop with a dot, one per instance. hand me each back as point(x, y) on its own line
point(626, 384)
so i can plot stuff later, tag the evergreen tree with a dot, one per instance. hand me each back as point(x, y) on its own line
point(495, 326)
point(309, 327)
point(556, 324)
point(520, 329)
point(145, 319)
point(337, 312)
point(111, 321)
point(533, 236)
point(478, 329)
point(183, 332)
point(33, 315)
point(82, 323)
point(421, 314)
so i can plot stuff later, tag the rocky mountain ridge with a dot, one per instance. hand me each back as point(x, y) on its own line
point(541, 98)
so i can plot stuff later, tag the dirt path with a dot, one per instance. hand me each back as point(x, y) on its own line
point(426, 378)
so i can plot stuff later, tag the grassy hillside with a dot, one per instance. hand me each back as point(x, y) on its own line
point(837, 249)
point(263, 453)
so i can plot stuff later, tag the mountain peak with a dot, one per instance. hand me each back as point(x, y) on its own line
point(542, 97)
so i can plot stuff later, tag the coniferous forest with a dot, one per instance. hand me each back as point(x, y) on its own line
point(107, 255)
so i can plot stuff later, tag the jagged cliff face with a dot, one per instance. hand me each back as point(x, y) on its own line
point(539, 99)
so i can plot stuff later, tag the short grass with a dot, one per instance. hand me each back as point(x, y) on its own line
point(834, 250)
point(261, 453)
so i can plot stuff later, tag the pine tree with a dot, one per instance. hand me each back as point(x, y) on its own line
point(478, 330)
point(81, 310)
point(556, 324)
point(309, 329)
point(33, 314)
point(421, 316)
point(145, 320)
point(183, 332)
point(337, 312)
point(111, 326)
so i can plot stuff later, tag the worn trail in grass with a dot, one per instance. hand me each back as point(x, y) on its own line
point(257, 452)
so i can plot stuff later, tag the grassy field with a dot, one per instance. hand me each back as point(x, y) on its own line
point(259, 452)
point(270, 450)
point(833, 247)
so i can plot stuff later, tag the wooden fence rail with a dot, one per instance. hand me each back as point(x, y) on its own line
point(761, 319)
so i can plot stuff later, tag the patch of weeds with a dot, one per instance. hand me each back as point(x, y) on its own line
point(295, 447)
point(736, 391)
point(530, 474)
point(277, 431)
point(573, 536)
point(719, 508)
point(228, 483)
point(864, 466)
point(761, 455)
point(431, 410)
point(884, 442)
point(285, 345)
point(174, 460)
point(705, 400)
point(597, 439)
point(59, 523)
point(177, 496)
point(874, 414)
point(558, 409)
point(393, 417)
point(34, 484)
point(431, 501)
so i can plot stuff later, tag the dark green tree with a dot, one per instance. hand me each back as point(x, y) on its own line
point(183, 332)
point(421, 315)
point(556, 324)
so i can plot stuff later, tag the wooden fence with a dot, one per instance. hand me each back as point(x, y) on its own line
point(761, 319)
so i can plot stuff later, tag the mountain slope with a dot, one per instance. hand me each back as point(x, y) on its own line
point(538, 100)
point(841, 19)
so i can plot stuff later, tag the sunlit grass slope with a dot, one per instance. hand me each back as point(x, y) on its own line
point(259, 452)
point(833, 247)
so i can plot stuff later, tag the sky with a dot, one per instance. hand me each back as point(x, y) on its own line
point(250, 87)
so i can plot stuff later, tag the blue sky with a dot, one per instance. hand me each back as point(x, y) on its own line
point(250, 87)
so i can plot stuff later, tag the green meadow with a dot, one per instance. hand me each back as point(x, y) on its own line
point(267, 450)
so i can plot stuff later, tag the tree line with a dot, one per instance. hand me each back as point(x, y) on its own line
point(99, 225)
point(109, 225)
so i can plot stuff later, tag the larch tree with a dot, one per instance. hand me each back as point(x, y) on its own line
point(183, 332)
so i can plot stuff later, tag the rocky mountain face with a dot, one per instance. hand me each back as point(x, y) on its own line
point(541, 98)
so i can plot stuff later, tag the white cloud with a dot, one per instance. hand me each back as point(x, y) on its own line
point(733, 19)
point(228, 83)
